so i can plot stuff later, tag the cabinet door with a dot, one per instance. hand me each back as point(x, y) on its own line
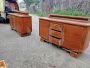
point(27, 24)
point(19, 25)
point(74, 37)
point(44, 29)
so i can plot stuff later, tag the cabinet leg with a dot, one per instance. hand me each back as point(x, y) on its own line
point(42, 40)
point(23, 35)
point(12, 28)
point(74, 54)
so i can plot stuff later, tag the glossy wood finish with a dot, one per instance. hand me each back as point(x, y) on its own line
point(55, 26)
point(71, 34)
point(55, 40)
point(44, 32)
point(74, 37)
point(68, 17)
point(21, 12)
point(69, 21)
point(55, 33)
point(21, 23)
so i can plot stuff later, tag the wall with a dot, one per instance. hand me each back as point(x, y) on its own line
point(2, 7)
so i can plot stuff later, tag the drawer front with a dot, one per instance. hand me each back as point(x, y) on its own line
point(55, 40)
point(57, 27)
point(55, 33)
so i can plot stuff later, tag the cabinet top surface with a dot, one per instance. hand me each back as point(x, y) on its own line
point(73, 17)
point(68, 21)
point(19, 15)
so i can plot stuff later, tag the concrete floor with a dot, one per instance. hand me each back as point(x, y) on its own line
point(30, 52)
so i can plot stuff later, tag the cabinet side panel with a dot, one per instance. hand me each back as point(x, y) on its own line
point(87, 39)
point(44, 29)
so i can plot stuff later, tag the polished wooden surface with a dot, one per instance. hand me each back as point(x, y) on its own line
point(71, 34)
point(21, 23)
point(75, 22)
point(55, 33)
point(69, 17)
point(55, 40)
point(44, 32)
point(21, 12)
point(74, 37)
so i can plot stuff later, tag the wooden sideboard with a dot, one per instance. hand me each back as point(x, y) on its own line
point(71, 33)
point(21, 23)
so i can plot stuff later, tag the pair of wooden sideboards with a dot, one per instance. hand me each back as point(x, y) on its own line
point(21, 22)
point(69, 32)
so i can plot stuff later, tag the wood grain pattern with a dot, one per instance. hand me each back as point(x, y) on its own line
point(69, 17)
point(43, 30)
point(21, 23)
point(74, 37)
point(71, 33)
point(55, 26)
point(75, 22)
point(55, 40)
point(54, 33)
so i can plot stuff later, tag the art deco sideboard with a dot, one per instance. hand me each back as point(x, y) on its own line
point(22, 23)
point(70, 33)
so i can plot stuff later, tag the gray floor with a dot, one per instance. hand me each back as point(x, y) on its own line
point(30, 52)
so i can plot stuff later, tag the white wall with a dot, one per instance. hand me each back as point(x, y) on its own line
point(2, 8)
point(2, 5)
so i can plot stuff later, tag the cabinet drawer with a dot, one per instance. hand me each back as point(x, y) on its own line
point(55, 40)
point(56, 34)
point(57, 27)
